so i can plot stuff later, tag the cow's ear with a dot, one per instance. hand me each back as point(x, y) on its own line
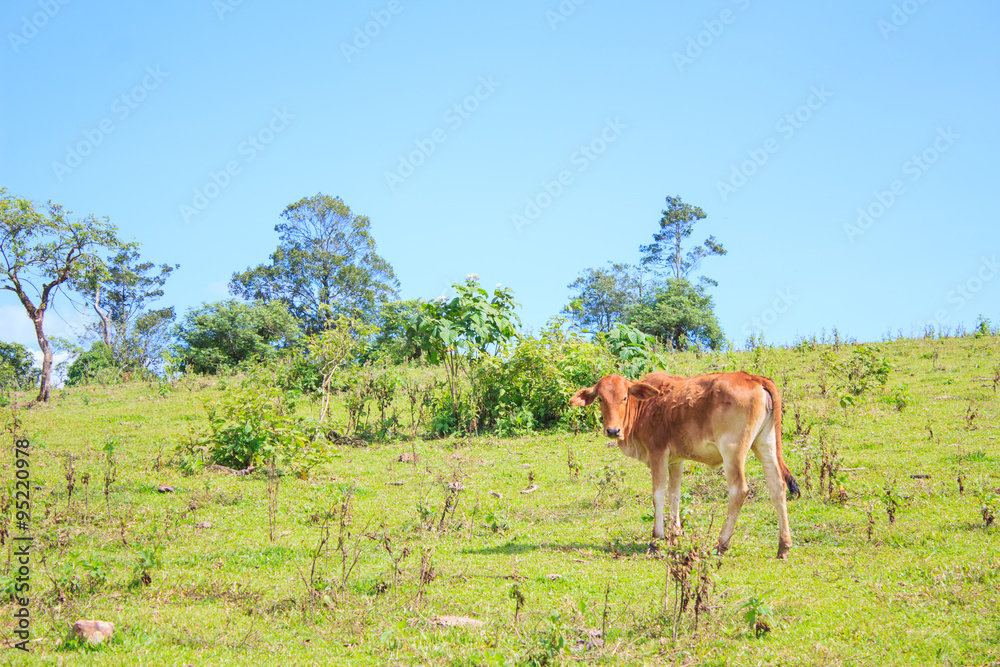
point(583, 397)
point(641, 391)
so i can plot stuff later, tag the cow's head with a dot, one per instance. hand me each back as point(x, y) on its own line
point(614, 392)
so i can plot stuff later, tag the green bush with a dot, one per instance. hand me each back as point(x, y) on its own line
point(531, 389)
point(254, 422)
point(866, 369)
point(96, 364)
point(899, 397)
point(294, 370)
point(635, 351)
point(17, 366)
point(230, 334)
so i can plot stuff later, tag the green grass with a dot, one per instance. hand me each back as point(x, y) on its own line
point(922, 590)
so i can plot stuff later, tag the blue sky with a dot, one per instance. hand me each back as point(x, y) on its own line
point(447, 121)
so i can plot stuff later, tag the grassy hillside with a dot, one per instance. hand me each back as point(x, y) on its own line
point(892, 562)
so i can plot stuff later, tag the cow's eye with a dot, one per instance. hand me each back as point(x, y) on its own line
point(625, 399)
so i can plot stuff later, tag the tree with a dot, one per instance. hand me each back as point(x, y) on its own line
point(680, 315)
point(604, 296)
point(125, 290)
point(17, 366)
point(226, 333)
point(44, 253)
point(326, 264)
point(136, 338)
point(667, 250)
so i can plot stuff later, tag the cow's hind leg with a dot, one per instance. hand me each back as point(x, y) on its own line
point(764, 449)
point(736, 480)
point(676, 470)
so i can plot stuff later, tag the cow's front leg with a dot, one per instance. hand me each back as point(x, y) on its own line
point(676, 469)
point(658, 467)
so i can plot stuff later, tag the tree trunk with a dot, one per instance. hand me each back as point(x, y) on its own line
point(105, 322)
point(45, 384)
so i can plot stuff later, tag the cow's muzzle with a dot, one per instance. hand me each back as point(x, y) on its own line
point(613, 432)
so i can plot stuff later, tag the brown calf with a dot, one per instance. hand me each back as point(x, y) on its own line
point(664, 420)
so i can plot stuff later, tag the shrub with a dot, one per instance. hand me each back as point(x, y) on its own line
point(97, 363)
point(293, 370)
point(531, 389)
point(983, 327)
point(634, 350)
point(16, 366)
point(254, 423)
point(372, 388)
point(866, 369)
point(899, 397)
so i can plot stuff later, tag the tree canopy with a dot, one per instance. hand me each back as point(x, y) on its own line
point(680, 314)
point(325, 264)
point(604, 296)
point(226, 333)
point(17, 366)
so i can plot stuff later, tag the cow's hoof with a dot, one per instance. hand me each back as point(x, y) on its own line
point(783, 550)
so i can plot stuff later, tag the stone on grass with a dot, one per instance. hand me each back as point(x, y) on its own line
point(456, 622)
point(93, 632)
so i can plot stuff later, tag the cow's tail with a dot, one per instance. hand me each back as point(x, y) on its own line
point(775, 405)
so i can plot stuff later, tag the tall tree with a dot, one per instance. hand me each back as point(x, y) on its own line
point(44, 253)
point(667, 250)
point(326, 264)
point(119, 296)
point(604, 296)
point(124, 291)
